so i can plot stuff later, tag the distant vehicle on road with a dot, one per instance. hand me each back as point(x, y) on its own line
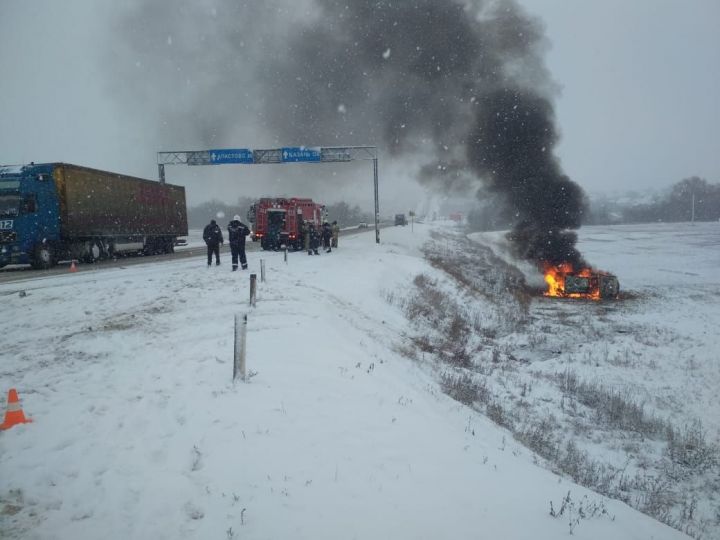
point(400, 219)
point(362, 225)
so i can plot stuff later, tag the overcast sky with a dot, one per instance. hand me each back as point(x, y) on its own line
point(638, 106)
point(640, 101)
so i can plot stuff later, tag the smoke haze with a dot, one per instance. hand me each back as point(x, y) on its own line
point(108, 84)
point(459, 90)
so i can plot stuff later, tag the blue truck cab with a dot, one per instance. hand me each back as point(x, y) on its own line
point(29, 214)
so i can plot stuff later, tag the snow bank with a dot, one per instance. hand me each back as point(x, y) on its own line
point(139, 433)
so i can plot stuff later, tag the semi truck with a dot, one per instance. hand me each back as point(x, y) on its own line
point(57, 211)
point(283, 217)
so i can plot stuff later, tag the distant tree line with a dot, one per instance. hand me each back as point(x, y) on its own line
point(692, 198)
point(200, 215)
point(675, 205)
point(347, 215)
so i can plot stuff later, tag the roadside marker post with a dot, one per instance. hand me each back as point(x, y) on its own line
point(240, 339)
point(253, 289)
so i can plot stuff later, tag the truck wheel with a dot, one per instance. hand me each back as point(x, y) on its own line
point(150, 247)
point(43, 258)
point(94, 252)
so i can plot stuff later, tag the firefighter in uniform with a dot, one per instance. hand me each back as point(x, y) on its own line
point(335, 233)
point(306, 235)
point(314, 242)
point(327, 237)
point(237, 231)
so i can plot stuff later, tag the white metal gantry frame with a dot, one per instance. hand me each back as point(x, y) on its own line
point(328, 154)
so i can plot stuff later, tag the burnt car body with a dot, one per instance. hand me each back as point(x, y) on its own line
point(603, 285)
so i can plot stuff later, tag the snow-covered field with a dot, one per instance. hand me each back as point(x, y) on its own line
point(139, 431)
point(665, 337)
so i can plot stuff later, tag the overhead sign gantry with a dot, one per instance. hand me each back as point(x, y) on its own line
point(285, 154)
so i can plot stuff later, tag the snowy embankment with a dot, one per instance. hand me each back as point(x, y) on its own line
point(662, 343)
point(139, 432)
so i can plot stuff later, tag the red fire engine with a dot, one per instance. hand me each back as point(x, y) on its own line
point(283, 219)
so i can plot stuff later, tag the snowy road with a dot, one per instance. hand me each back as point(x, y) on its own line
point(195, 248)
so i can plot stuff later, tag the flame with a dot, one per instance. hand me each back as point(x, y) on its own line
point(556, 276)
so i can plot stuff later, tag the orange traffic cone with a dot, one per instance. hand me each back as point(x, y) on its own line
point(73, 268)
point(14, 414)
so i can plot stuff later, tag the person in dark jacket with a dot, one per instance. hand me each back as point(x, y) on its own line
point(314, 239)
point(213, 237)
point(306, 235)
point(327, 237)
point(237, 231)
point(335, 233)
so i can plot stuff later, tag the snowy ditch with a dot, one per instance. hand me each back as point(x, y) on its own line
point(571, 380)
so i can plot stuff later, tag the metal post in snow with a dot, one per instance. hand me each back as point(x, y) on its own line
point(377, 201)
point(262, 270)
point(161, 173)
point(286, 250)
point(253, 288)
point(692, 217)
point(240, 338)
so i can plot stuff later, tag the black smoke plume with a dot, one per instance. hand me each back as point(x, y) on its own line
point(457, 86)
point(510, 146)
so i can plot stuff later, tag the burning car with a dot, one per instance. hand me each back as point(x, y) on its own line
point(563, 281)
